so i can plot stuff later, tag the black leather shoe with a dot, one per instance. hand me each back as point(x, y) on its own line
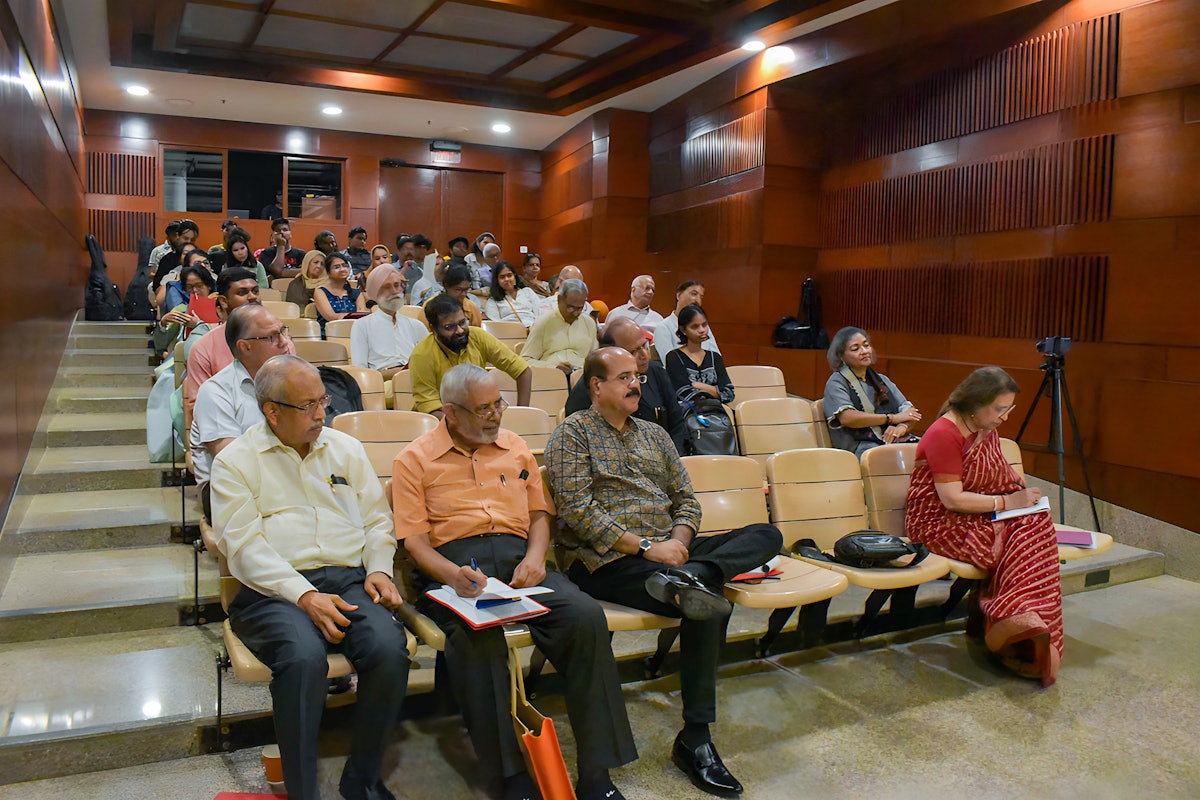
point(685, 591)
point(351, 787)
point(704, 768)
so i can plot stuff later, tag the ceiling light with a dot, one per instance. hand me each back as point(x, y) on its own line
point(137, 90)
point(501, 127)
point(779, 54)
point(754, 45)
point(331, 110)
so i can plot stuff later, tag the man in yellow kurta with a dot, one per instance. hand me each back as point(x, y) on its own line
point(564, 338)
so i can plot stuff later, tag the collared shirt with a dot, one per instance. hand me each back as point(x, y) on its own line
point(451, 494)
point(225, 409)
point(553, 340)
point(646, 318)
point(276, 515)
point(666, 337)
point(430, 360)
point(157, 253)
point(208, 356)
point(381, 340)
point(607, 483)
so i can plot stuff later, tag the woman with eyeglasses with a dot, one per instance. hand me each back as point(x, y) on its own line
point(337, 298)
point(691, 365)
point(864, 409)
point(195, 282)
point(530, 271)
point(312, 276)
point(510, 300)
point(960, 480)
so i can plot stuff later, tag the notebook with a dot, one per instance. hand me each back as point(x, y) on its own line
point(499, 603)
point(1076, 538)
point(1041, 505)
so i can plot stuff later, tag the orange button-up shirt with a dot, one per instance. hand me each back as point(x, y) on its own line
point(451, 494)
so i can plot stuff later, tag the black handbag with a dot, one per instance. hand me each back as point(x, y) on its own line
point(866, 549)
point(709, 429)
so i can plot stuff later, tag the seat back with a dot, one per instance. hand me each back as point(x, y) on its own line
point(282, 309)
point(281, 284)
point(885, 473)
point(370, 383)
point(511, 333)
point(549, 391)
point(730, 491)
point(269, 294)
point(416, 312)
point(772, 424)
point(322, 354)
point(753, 382)
point(816, 494)
point(384, 433)
point(303, 329)
point(822, 424)
point(402, 390)
point(338, 330)
point(533, 425)
point(1012, 454)
point(310, 311)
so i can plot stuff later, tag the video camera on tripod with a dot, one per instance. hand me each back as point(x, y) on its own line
point(1054, 347)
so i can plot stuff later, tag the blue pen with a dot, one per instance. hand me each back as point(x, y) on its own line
point(474, 566)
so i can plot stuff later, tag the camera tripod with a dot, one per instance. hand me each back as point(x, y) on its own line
point(1054, 386)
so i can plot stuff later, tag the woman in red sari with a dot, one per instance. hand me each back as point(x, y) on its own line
point(961, 478)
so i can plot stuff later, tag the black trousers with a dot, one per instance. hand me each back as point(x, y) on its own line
point(283, 637)
point(624, 581)
point(573, 637)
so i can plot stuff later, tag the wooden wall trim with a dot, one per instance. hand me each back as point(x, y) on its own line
point(122, 174)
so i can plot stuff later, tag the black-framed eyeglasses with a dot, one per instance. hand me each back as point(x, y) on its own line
point(487, 410)
point(451, 327)
point(307, 408)
point(274, 338)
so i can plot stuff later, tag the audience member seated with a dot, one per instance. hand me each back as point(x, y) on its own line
point(326, 242)
point(453, 341)
point(691, 366)
point(240, 255)
point(961, 478)
point(300, 516)
point(337, 298)
point(185, 239)
point(492, 255)
point(281, 259)
point(628, 522)
point(666, 335)
point(312, 277)
point(356, 251)
point(474, 260)
point(657, 402)
point(531, 268)
point(194, 282)
point(864, 409)
point(385, 339)
point(273, 210)
point(459, 248)
point(563, 339)
point(464, 521)
point(380, 255)
point(457, 285)
point(431, 285)
point(641, 295)
point(169, 244)
point(406, 259)
point(549, 304)
point(510, 299)
point(225, 407)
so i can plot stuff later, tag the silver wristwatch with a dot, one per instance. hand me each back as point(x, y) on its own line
point(643, 546)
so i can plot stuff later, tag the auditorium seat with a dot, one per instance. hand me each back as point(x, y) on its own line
point(398, 391)
point(281, 284)
point(754, 382)
point(511, 333)
point(338, 330)
point(773, 424)
point(322, 354)
point(282, 309)
point(532, 424)
point(549, 391)
point(310, 311)
point(269, 294)
point(303, 329)
point(384, 433)
point(370, 383)
point(822, 424)
point(416, 312)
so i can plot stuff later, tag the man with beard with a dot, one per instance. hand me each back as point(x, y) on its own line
point(627, 528)
point(469, 505)
point(385, 339)
point(452, 342)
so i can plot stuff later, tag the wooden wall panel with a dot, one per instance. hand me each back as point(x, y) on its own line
point(1158, 46)
point(122, 174)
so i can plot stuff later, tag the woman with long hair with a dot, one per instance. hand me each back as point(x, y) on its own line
point(239, 254)
point(337, 298)
point(864, 408)
point(690, 365)
point(510, 300)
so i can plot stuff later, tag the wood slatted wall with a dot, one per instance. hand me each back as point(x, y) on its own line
point(119, 231)
point(122, 174)
point(734, 147)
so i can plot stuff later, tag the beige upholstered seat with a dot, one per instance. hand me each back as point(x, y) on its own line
point(772, 424)
point(398, 391)
point(322, 354)
point(384, 433)
point(885, 472)
point(282, 309)
point(269, 294)
point(753, 382)
point(281, 284)
point(549, 391)
point(370, 383)
point(300, 329)
point(416, 312)
point(532, 424)
point(338, 330)
point(822, 424)
point(511, 333)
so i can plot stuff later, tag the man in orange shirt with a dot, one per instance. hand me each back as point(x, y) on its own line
point(468, 505)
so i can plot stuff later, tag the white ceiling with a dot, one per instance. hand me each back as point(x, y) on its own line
point(84, 27)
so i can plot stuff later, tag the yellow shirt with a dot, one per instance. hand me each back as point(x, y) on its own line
point(552, 341)
point(430, 360)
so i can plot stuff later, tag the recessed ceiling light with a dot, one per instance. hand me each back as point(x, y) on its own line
point(501, 127)
point(331, 110)
point(780, 54)
point(137, 90)
point(754, 45)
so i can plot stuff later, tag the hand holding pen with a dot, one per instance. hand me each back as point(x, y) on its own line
point(469, 581)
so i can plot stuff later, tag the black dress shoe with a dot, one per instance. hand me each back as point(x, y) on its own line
point(703, 766)
point(351, 787)
point(685, 591)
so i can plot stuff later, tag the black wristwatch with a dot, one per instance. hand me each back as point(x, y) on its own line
point(644, 546)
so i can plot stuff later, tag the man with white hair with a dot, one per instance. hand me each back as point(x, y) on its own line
point(641, 295)
point(550, 304)
point(385, 339)
point(564, 338)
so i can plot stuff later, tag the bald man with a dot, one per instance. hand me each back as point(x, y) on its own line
point(550, 304)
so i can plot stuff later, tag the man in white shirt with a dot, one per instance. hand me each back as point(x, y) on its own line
point(550, 304)
point(303, 522)
point(563, 339)
point(666, 335)
point(638, 309)
point(225, 403)
point(385, 339)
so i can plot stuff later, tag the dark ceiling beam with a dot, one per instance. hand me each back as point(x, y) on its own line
point(631, 17)
point(534, 52)
point(168, 17)
point(264, 10)
point(120, 30)
point(418, 22)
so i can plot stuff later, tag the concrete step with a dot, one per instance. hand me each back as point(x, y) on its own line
point(101, 399)
point(107, 377)
point(84, 430)
point(56, 595)
point(84, 328)
point(78, 469)
point(106, 358)
point(111, 341)
point(93, 520)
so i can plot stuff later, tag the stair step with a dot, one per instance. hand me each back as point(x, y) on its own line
point(83, 430)
point(108, 377)
point(111, 341)
point(116, 518)
point(55, 595)
point(106, 358)
point(100, 399)
point(82, 327)
point(79, 469)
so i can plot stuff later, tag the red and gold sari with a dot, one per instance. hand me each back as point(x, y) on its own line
point(1022, 599)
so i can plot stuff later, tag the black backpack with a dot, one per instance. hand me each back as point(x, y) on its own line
point(137, 293)
point(343, 391)
point(866, 549)
point(709, 429)
point(101, 297)
point(804, 332)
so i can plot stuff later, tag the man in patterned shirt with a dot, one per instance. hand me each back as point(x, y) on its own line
point(628, 522)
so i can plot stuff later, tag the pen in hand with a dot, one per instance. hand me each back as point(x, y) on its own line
point(474, 566)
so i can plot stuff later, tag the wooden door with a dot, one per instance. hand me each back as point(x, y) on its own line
point(440, 203)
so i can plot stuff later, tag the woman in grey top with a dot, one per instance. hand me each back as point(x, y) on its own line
point(863, 408)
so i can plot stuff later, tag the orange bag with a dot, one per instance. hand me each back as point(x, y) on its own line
point(539, 742)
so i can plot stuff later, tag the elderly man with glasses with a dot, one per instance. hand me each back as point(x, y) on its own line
point(304, 523)
point(469, 506)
